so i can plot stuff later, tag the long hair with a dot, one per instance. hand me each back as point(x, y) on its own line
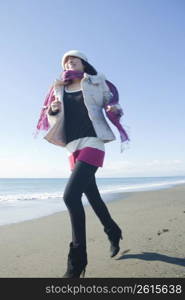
point(88, 68)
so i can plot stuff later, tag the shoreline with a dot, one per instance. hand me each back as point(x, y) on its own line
point(153, 244)
point(110, 197)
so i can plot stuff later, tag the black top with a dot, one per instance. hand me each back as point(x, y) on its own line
point(77, 121)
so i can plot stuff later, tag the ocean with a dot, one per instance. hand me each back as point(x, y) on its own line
point(24, 199)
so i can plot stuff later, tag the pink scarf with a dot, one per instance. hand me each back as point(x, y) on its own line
point(114, 116)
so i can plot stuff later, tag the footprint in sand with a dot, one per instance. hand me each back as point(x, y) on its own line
point(163, 230)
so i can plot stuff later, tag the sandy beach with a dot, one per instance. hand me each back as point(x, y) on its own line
point(153, 245)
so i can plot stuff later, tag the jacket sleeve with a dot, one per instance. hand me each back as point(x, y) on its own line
point(107, 94)
point(52, 116)
point(110, 95)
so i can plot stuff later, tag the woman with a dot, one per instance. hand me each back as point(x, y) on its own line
point(74, 112)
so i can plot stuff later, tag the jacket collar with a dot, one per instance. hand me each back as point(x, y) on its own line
point(95, 79)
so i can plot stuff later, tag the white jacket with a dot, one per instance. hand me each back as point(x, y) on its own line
point(96, 93)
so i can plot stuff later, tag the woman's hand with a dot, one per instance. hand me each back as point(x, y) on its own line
point(56, 105)
point(115, 108)
point(111, 108)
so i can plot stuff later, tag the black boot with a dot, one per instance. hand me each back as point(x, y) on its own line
point(76, 263)
point(114, 235)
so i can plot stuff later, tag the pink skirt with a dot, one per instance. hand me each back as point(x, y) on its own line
point(88, 149)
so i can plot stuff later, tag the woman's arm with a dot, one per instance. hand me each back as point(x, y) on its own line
point(55, 106)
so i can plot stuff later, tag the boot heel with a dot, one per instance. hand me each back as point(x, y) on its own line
point(83, 273)
point(114, 235)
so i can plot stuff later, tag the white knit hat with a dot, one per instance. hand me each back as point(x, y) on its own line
point(81, 55)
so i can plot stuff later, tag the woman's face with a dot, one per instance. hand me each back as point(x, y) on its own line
point(73, 63)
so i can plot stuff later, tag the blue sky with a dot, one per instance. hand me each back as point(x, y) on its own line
point(138, 44)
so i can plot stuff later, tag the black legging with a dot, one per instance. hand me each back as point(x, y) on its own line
point(82, 180)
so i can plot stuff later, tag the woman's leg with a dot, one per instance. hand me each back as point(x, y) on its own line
point(93, 195)
point(110, 226)
point(80, 178)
